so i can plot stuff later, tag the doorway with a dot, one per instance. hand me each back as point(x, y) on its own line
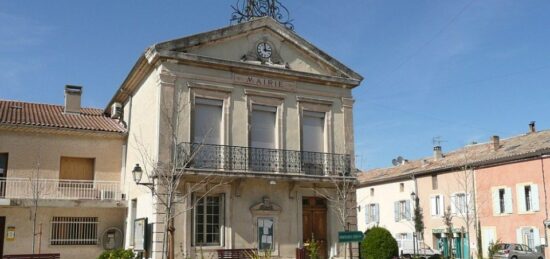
point(314, 220)
point(3, 174)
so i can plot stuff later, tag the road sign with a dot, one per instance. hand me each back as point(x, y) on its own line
point(350, 236)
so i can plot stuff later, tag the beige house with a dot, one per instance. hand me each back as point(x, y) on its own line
point(67, 161)
point(441, 185)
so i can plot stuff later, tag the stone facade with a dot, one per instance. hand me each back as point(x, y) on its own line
point(164, 88)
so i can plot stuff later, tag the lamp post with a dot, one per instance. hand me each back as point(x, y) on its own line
point(413, 198)
point(137, 174)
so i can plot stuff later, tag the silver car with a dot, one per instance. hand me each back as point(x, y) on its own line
point(516, 251)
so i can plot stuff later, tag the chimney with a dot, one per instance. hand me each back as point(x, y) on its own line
point(532, 128)
point(72, 98)
point(437, 153)
point(496, 142)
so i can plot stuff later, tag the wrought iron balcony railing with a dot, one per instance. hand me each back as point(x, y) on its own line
point(248, 159)
point(58, 189)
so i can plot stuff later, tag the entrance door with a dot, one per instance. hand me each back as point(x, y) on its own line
point(2, 227)
point(314, 219)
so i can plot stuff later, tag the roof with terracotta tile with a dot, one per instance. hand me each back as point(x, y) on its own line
point(475, 155)
point(16, 113)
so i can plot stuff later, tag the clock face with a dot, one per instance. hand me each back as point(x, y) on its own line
point(264, 50)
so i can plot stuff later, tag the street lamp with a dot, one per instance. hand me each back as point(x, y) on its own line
point(137, 173)
point(413, 196)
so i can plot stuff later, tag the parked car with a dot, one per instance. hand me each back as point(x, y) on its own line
point(423, 253)
point(516, 251)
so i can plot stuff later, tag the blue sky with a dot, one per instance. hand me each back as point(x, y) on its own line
point(461, 70)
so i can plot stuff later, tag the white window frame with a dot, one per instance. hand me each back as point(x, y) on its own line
point(437, 205)
point(372, 213)
point(459, 208)
point(501, 205)
point(401, 210)
point(74, 231)
point(532, 239)
point(533, 200)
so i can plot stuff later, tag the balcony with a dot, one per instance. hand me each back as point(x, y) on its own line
point(56, 189)
point(263, 160)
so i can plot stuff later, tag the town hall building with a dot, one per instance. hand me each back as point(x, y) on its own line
point(237, 138)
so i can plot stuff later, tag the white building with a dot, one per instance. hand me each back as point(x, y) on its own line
point(385, 200)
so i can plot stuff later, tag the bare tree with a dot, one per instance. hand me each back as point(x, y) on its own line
point(165, 178)
point(448, 222)
point(37, 190)
point(341, 197)
point(464, 201)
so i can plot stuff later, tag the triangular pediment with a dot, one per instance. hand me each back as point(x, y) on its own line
point(241, 43)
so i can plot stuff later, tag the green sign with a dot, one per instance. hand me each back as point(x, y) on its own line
point(350, 236)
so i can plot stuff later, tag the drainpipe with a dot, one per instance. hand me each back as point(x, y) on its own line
point(542, 157)
point(476, 218)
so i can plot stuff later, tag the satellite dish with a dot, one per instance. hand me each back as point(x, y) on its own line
point(394, 162)
point(400, 160)
point(112, 238)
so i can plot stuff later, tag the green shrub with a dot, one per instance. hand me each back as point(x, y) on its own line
point(379, 244)
point(117, 254)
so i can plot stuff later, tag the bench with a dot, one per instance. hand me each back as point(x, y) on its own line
point(33, 256)
point(236, 253)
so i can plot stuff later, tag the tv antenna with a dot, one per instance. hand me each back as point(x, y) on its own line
point(436, 141)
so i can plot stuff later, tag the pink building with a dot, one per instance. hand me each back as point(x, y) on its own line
point(497, 189)
point(511, 194)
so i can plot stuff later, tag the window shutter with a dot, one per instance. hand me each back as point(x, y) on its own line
point(433, 202)
point(367, 209)
point(496, 202)
point(207, 121)
point(396, 211)
point(536, 237)
point(469, 203)
point(508, 200)
point(535, 197)
point(75, 168)
point(408, 210)
point(313, 131)
point(520, 191)
point(377, 212)
point(453, 204)
point(262, 132)
point(442, 206)
point(519, 237)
